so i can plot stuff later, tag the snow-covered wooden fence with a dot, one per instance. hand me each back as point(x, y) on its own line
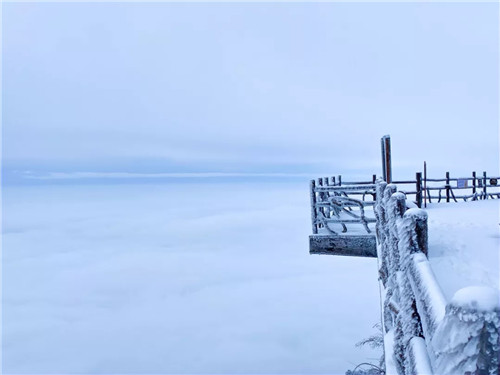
point(423, 189)
point(341, 215)
point(423, 333)
point(335, 204)
point(473, 188)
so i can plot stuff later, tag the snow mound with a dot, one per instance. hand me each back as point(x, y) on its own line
point(480, 298)
point(416, 213)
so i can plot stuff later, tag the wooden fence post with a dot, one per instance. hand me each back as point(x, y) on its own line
point(422, 234)
point(419, 189)
point(340, 180)
point(321, 196)
point(400, 206)
point(332, 179)
point(484, 186)
point(425, 184)
point(386, 158)
point(474, 182)
point(326, 210)
point(416, 228)
point(447, 187)
point(382, 151)
point(313, 206)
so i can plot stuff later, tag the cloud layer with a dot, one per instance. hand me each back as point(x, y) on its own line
point(205, 278)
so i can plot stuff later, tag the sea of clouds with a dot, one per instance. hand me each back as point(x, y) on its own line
point(177, 278)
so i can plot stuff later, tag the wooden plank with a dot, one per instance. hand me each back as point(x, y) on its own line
point(358, 246)
point(352, 221)
point(366, 187)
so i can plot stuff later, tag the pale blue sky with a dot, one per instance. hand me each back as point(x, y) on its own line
point(249, 87)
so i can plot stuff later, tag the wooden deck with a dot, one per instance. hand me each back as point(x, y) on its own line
point(360, 245)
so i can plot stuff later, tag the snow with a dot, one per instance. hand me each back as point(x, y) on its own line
point(477, 297)
point(467, 338)
point(416, 213)
point(177, 278)
point(464, 243)
point(464, 251)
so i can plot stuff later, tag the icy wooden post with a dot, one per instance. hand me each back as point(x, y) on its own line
point(374, 181)
point(320, 196)
point(313, 206)
point(419, 231)
point(419, 189)
point(425, 185)
point(386, 158)
point(474, 183)
point(340, 180)
point(484, 186)
point(400, 204)
point(326, 210)
point(332, 179)
point(447, 186)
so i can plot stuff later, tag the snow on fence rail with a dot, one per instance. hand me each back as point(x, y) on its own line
point(423, 333)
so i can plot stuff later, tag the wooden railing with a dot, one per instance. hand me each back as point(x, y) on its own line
point(423, 189)
point(336, 205)
point(476, 186)
point(423, 333)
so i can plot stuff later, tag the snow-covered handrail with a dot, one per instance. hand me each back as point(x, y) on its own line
point(423, 333)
